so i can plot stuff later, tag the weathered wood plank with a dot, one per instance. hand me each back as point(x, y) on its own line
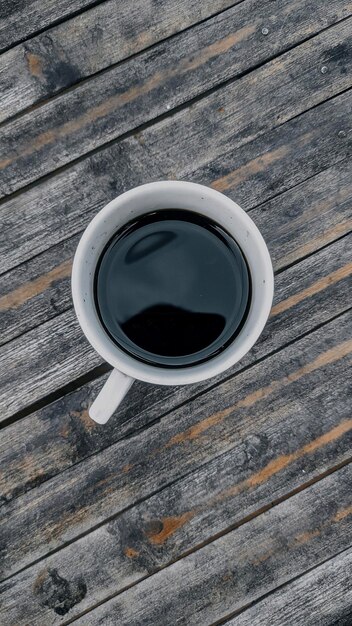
point(242, 565)
point(306, 295)
point(20, 19)
point(200, 144)
point(296, 223)
point(50, 365)
point(213, 581)
point(96, 39)
point(284, 393)
point(103, 109)
point(322, 596)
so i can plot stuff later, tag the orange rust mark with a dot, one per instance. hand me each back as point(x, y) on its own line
point(263, 557)
point(35, 64)
point(127, 468)
point(64, 431)
point(279, 464)
point(260, 164)
point(221, 109)
point(40, 579)
point(131, 553)
point(87, 421)
point(318, 286)
point(169, 527)
point(308, 535)
point(340, 515)
point(58, 529)
point(112, 103)
point(34, 287)
point(330, 356)
point(313, 244)
point(198, 429)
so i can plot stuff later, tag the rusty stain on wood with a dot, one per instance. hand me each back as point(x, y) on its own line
point(87, 421)
point(110, 105)
point(277, 465)
point(35, 287)
point(40, 579)
point(259, 164)
point(321, 284)
point(330, 356)
point(131, 553)
point(340, 515)
point(127, 468)
point(35, 64)
point(307, 536)
point(313, 244)
point(169, 526)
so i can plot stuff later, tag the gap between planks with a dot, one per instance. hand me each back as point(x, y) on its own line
point(213, 538)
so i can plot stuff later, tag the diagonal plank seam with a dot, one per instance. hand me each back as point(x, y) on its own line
point(104, 70)
point(57, 22)
point(39, 285)
point(224, 620)
point(169, 114)
point(216, 536)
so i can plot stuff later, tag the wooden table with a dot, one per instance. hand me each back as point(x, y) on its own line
point(223, 502)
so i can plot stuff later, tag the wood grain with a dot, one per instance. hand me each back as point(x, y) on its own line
point(94, 40)
point(322, 596)
point(254, 420)
point(49, 365)
point(213, 581)
point(242, 565)
point(199, 144)
point(20, 19)
point(296, 223)
point(56, 437)
point(113, 104)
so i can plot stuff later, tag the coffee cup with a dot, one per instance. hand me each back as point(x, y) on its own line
point(131, 206)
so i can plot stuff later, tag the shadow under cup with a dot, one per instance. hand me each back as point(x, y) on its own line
point(172, 288)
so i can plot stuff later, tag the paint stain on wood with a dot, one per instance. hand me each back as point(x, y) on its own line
point(324, 359)
point(167, 527)
point(318, 286)
point(35, 64)
point(260, 164)
point(35, 287)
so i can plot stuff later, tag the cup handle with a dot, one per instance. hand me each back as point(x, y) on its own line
point(110, 396)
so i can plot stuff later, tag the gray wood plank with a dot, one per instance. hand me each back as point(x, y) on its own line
point(265, 427)
point(296, 223)
point(118, 554)
point(226, 574)
point(60, 435)
point(20, 19)
point(322, 596)
point(162, 78)
point(307, 294)
point(94, 40)
point(51, 364)
point(203, 144)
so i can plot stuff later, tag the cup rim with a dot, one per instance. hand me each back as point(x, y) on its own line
point(201, 199)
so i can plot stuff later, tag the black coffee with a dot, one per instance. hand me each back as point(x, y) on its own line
point(172, 288)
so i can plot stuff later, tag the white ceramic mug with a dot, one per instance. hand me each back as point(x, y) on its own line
point(128, 206)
